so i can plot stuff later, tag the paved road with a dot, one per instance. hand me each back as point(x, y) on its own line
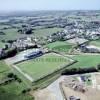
point(55, 89)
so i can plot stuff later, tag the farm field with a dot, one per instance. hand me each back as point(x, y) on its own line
point(46, 32)
point(3, 66)
point(4, 69)
point(60, 46)
point(43, 65)
point(2, 45)
point(12, 91)
point(37, 33)
point(4, 26)
point(96, 43)
point(9, 33)
point(86, 61)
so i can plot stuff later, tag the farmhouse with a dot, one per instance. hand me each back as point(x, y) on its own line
point(24, 43)
point(36, 53)
point(25, 55)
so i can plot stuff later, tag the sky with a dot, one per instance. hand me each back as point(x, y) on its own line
point(30, 5)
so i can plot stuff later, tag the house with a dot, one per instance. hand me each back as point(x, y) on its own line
point(24, 43)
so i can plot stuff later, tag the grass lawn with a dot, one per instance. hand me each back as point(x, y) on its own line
point(3, 66)
point(2, 45)
point(85, 61)
point(43, 65)
point(11, 34)
point(96, 43)
point(59, 46)
point(46, 32)
point(12, 91)
point(4, 69)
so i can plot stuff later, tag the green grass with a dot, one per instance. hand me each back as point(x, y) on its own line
point(3, 66)
point(86, 61)
point(43, 65)
point(4, 69)
point(59, 46)
point(46, 32)
point(12, 91)
point(96, 43)
point(11, 34)
point(2, 45)
point(4, 26)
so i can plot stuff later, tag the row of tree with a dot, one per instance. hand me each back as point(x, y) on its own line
point(73, 71)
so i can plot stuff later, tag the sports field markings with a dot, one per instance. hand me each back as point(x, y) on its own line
point(25, 75)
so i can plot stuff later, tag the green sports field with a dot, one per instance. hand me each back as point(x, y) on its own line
point(60, 46)
point(86, 61)
point(43, 65)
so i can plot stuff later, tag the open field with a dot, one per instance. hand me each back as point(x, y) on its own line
point(2, 45)
point(13, 34)
point(10, 34)
point(86, 61)
point(4, 26)
point(3, 66)
point(43, 65)
point(12, 91)
point(59, 46)
point(46, 32)
point(4, 69)
point(96, 43)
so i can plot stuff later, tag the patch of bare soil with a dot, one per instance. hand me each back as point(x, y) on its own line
point(44, 94)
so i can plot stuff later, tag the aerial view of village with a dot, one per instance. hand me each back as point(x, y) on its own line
point(50, 54)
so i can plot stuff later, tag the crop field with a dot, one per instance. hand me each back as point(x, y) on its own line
point(86, 61)
point(43, 65)
point(96, 43)
point(13, 34)
point(60, 46)
point(9, 34)
point(46, 32)
point(4, 26)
